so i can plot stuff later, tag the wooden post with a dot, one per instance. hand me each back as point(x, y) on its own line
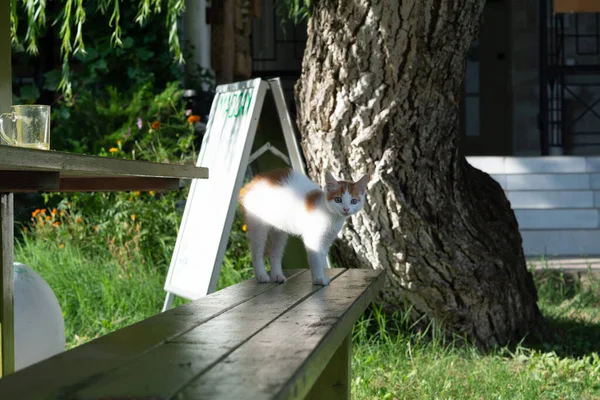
point(7, 350)
point(228, 48)
point(334, 382)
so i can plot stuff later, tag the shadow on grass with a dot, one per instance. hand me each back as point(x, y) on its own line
point(570, 304)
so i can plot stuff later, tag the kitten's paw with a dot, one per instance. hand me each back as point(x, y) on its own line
point(277, 277)
point(321, 280)
point(263, 278)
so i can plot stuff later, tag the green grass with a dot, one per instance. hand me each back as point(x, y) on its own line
point(390, 360)
point(97, 294)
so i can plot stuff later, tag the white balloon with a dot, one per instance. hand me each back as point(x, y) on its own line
point(39, 323)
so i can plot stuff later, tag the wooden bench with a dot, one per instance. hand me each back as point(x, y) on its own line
point(248, 341)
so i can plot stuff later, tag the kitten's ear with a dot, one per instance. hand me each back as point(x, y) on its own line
point(330, 182)
point(361, 184)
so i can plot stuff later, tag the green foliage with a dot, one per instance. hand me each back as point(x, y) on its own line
point(102, 275)
point(79, 18)
point(76, 19)
point(138, 226)
point(112, 121)
point(293, 10)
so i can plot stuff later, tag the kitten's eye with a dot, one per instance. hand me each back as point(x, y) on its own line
point(338, 199)
point(353, 201)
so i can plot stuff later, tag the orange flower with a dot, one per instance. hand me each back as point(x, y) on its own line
point(155, 125)
point(78, 220)
point(193, 118)
point(53, 212)
point(25, 229)
point(133, 217)
point(113, 150)
point(62, 246)
point(56, 223)
point(33, 214)
point(47, 218)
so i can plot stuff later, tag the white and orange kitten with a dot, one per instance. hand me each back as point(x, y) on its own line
point(282, 202)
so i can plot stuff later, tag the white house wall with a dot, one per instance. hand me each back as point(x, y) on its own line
point(556, 201)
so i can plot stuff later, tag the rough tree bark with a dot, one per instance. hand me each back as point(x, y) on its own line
point(379, 94)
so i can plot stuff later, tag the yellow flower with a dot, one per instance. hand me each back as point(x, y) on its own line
point(244, 227)
point(119, 142)
point(96, 228)
point(56, 223)
point(62, 246)
point(155, 125)
point(133, 217)
point(113, 150)
point(131, 199)
point(79, 220)
point(151, 193)
point(193, 118)
point(41, 223)
point(137, 228)
point(137, 193)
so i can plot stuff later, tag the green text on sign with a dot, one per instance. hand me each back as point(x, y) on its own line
point(235, 104)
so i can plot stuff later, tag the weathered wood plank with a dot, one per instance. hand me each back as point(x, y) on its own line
point(28, 181)
point(163, 371)
point(334, 381)
point(7, 338)
point(18, 158)
point(284, 360)
point(119, 184)
point(108, 352)
point(6, 208)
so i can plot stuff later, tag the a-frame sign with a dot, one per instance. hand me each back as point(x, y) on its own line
point(228, 147)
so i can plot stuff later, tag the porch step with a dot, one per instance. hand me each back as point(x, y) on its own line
point(556, 201)
point(537, 165)
point(551, 198)
point(558, 219)
point(561, 242)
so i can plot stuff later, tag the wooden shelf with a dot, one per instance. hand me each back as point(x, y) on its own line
point(31, 170)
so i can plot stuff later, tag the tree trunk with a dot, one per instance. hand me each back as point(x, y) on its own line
point(379, 94)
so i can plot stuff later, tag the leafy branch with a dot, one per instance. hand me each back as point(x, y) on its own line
point(71, 20)
point(72, 17)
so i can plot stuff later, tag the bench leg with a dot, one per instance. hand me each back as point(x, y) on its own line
point(334, 382)
point(7, 344)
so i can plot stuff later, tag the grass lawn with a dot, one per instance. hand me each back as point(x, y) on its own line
point(390, 360)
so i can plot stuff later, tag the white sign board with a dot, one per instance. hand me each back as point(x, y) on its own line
point(211, 203)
